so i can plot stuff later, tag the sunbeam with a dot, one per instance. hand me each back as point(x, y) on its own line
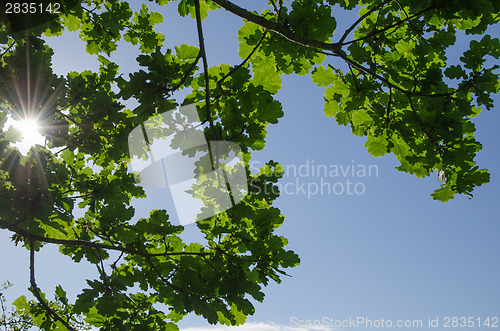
point(29, 130)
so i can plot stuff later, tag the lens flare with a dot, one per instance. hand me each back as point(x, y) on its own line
point(29, 129)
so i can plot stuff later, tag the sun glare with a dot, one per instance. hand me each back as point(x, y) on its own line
point(30, 133)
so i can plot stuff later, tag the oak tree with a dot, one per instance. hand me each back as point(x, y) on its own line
point(397, 87)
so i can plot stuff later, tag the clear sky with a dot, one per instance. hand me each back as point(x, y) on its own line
point(385, 251)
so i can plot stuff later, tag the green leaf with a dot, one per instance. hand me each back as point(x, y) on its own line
point(4, 38)
point(155, 18)
point(248, 36)
point(183, 8)
point(323, 76)
point(272, 112)
point(377, 146)
point(171, 327)
point(406, 48)
point(239, 316)
point(360, 117)
point(60, 292)
point(331, 108)
point(93, 317)
point(61, 295)
point(269, 79)
point(404, 89)
point(444, 193)
point(103, 60)
point(21, 303)
point(72, 22)
point(68, 156)
point(339, 87)
point(399, 148)
point(13, 135)
point(186, 52)
point(455, 72)
point(92, 48)
point(125, 235)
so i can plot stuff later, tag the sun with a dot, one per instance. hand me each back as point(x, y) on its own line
point(29, 128)
point(30, 133)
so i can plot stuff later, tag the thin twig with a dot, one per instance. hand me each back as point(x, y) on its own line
point(409, 22)
point(388, 109)
point(83, 127)
point(165, 280)
point(205, 67)
point(8, 49)
point(419, 123)
point(359, 20)
point(354, 78)
point(187, 74)
point(387, 82)
point(219, 83)
point(274, 6)
point(239, 133)
point(81, 196)
point(375, 32)
point(113, 265)
point(36, 291)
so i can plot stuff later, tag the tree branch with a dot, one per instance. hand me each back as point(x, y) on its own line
point(274, 6)
point(371, 73)
point(335, 48)
point(205, 66)
point(275, 27)
point(36, 291)
point(90, 244)
point(387, 82)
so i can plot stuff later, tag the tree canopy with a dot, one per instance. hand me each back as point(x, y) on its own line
point(399, 87)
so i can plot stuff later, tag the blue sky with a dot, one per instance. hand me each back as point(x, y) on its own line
point(391, 252)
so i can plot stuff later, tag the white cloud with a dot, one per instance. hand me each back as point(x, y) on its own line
point(252, 327)
point(257, 327)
